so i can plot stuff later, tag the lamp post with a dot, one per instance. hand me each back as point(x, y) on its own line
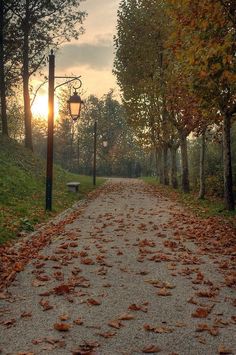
point(74, 105)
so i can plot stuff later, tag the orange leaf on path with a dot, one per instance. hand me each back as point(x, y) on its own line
point(151, 349)
point(78, 321)
point(62, 327)
point(201, 312)
point(93, 302)
point(115, 324)
point(126, 316)
point(164, 292)
point(107, 334)
point(223, 350)
point(136, 307)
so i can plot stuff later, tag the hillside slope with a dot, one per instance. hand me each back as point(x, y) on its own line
point(22, 189)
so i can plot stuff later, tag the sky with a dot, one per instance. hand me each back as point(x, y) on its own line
point(92, 55)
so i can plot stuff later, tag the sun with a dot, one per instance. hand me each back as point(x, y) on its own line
point(40, 107)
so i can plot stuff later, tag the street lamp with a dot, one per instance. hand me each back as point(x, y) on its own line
point(74, 104)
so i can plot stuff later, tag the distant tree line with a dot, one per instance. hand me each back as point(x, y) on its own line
point(74, 142)
point(176, 66)
point(28, 28)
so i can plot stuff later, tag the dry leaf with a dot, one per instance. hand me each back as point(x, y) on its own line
point(151, 349)
point(62, 289)
point(93, 302)
point(135, 307)
point(115, 324)
point(126, 316)
point(223, 350)
point(107, 334)
point(62, 327)
point(164, 292)
point(201, 312)
point(45, 304)
point(86, 261)
point(64, 317)
point(79, 321)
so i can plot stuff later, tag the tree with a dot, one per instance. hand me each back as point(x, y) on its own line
point(7, 56)
point(42, 24)
point(209, 57)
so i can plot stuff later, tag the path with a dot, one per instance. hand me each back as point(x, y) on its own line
point(121, 279)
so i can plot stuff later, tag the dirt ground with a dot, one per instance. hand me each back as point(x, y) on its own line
point(123, 277)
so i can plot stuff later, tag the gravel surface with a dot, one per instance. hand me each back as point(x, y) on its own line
point(120, 280)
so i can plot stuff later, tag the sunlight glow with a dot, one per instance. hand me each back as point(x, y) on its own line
point(40, 107)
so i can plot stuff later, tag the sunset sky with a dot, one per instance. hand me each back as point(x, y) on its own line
point(92, 55)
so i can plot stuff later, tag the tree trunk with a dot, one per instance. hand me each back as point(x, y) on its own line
point(184, 159)
point(165, 165)
point(228, 179)
point(161, 166)
point(157, 164)
point(202, 188)
point(174, 181)
point(2, 74)
point(26, 95)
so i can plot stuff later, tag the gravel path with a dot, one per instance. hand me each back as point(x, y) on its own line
point(120, 280)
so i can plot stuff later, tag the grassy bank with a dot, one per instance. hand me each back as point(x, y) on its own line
point(207, 207)
point(22, 190)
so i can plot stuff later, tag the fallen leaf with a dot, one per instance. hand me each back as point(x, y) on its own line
point(223, 350)
point(107, 334)
point(135, 307)
point(62, 327)
point(126, 316)
point(45, 304)
point(64, 317)
point(115, 324)
point(62, 289)
point(86, 261)
point(26, 315)
point(164, 292)
point(151, 349)
point(93, 302)
point(201, 312)
point(18, 267)
point(78, 321)
point(9, 323)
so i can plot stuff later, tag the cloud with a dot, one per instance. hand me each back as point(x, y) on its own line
point(97, 56)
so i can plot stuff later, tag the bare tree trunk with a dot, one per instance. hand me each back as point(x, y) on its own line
point(78, 152)
point(161, 166)
point(184, 159)
point(156, 163)
point(202, 188)
point(2, 74)
point(27, 107)
point(174, 180)
point(165, 165)
point(228, 179)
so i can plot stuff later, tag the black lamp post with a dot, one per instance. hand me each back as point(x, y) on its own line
point(74, 104)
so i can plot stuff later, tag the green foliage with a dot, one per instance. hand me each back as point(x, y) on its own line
point(22, 186)
point(204, 208)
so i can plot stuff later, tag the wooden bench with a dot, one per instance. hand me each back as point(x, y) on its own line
point(73, 186)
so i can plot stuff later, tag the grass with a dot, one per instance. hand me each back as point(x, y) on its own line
point(208, 207)
point(22, 190)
